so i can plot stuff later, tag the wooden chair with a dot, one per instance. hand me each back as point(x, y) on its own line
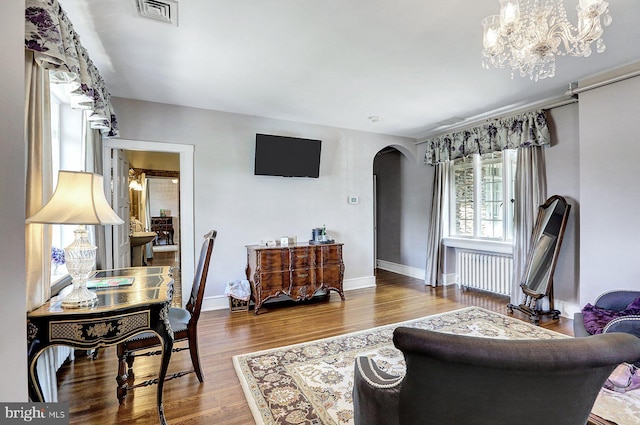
point(184, 323)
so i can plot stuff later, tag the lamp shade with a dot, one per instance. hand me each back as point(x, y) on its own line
point(78, 199)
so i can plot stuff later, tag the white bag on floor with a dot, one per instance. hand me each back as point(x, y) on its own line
point(238, 289)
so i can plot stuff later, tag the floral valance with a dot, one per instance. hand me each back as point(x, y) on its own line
point(56, 46)
point(527, 129)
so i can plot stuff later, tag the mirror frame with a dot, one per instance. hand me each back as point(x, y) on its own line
point(531, 302)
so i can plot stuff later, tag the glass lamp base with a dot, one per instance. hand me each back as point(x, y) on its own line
point(81, 259)
point(80, 297)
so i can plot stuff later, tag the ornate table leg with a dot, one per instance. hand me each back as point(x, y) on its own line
point(122, 377)
point(166, 335)
point(35, 391)
point(34, 350)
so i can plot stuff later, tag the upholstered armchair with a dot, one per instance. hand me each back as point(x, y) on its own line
point(615, 301)
point(457, 379)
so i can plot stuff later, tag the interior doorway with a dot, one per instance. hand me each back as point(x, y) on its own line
point(387, 206)
point(401, 202)
point(155, 203)
point(185, 199)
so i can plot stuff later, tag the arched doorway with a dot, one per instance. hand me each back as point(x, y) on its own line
point(402, 196)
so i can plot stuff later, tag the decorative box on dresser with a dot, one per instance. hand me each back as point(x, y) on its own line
point(298, 271)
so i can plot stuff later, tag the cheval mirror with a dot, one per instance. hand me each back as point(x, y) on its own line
point(537, 278)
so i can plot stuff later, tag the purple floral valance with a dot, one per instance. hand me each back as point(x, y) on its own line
point(56, 46)
point(527, 129)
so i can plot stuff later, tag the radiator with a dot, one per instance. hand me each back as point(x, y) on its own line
point(487, 272)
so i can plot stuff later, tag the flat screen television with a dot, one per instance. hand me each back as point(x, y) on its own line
point(287, 156)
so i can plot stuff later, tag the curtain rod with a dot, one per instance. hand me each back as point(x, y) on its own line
point(507, 111)
point(577, 90)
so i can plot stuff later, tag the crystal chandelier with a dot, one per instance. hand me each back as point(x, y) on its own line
point(527, 35)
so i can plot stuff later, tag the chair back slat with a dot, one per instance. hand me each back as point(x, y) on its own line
point(194, 305)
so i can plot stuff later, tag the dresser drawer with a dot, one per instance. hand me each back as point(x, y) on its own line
point(302, 257)
point(273, 260)
point(275, 281)
point(302, 283)
point(331, 254)
point(302, 277)
point(330, 275)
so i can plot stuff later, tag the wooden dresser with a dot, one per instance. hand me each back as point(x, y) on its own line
point(297, 271)
point(163, 226)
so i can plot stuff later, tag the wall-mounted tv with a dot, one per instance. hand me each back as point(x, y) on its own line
point(287, 156)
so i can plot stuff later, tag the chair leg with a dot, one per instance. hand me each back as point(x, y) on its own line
point(129, 359)
point(122, 377)
point(195, 358)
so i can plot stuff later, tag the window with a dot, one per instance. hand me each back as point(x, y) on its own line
point(486, 182)
point(58, 268)
point(66, 154)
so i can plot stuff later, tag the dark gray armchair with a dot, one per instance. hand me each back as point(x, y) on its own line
point(616, 301)
point(456, 379)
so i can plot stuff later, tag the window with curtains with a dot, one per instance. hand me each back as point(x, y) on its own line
point(53, 56)
point(481, 196)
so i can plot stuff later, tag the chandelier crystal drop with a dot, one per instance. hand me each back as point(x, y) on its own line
point(528, 34)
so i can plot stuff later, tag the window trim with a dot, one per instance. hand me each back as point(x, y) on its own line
point(486, 245)
point(60, 284)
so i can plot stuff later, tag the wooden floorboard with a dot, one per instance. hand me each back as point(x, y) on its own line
point(90, 387)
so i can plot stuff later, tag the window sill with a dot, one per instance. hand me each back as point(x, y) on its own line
point(60, 283)
point(479, 245)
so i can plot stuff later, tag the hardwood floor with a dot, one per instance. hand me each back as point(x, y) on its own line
point(90, 387)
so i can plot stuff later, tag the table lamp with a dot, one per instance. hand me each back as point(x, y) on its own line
point(78, 199)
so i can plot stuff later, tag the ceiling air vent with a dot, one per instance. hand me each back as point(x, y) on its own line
point(159, 10)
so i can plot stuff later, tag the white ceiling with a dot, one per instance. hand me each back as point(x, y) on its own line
point(413, 63)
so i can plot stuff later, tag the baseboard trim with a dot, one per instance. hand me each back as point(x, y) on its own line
point(414, 272)
point(218, 302)
point(359, 283)
point(449, 279)
point(566, 308)
point(221, 302)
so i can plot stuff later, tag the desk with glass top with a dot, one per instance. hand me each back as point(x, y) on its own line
point(122, 311)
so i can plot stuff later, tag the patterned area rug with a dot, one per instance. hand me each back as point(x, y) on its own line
point(311, 383)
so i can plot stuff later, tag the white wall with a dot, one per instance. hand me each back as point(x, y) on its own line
point(12, 205)
point(598, 252)
point(245, 208)
point(609, 189)
point(417, 191)
point(563, 178)
point(164, 194)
